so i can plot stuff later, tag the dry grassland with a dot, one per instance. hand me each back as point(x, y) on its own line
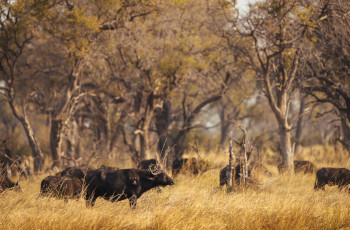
point(278, 202)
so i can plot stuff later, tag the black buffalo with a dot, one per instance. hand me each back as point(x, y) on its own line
point(238, 169)
point(66, 187)
point(116, 185)
point(6, 183)
point(332, 176)
point(299, 167)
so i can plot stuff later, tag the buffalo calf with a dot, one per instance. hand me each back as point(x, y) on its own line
point(332, 176)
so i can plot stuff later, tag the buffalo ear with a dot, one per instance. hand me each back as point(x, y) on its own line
point(151, 178)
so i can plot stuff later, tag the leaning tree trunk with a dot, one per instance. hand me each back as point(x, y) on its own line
point(36, 152)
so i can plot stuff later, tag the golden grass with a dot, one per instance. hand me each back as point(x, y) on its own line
point(278, 202)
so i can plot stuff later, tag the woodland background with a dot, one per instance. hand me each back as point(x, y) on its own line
point(117, 82)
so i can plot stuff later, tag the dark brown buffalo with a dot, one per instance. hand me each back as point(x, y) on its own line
point(299, 167)
point(145, 164)
point(66, 187)
point(77, 171)
point(237, 172)
point(6, 183)
point(116, 185)
point(332, 176)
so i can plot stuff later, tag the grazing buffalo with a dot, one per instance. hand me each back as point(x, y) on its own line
point(237, 174)
point(332, 176)
point(66, 187)
point(6, 183)
point(122, 184)
point(299, 167)
point(145, 164)
point(77, 171)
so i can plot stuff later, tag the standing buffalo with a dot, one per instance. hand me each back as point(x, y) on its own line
point(6, 183)
point(332, 176)
point(299, 167)
point(122, 184)
point(66, 187)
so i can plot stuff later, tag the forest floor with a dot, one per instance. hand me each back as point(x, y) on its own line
point(194, 202)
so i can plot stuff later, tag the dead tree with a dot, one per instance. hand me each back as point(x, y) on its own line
point(230, 172)
point(246, 149)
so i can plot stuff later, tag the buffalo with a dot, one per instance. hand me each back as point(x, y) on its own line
point(332, 176)
point(66, 187)
point(299, 167)
point(116, 185)
point(6, 183)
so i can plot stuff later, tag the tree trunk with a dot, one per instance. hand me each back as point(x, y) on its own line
point(230, 172)
point(36, 152)
point(345, 124)
point(55, 141)
point(144, 133)
point(299, 124)
point(162, 123)
point(286, 148)
point(224, 127)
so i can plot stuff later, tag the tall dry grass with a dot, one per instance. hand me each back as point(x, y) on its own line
point(278, 202)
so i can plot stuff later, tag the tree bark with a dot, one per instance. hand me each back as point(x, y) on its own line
point(55, 141)
point(345, 124)
point(299, 124)
point(230, 172)
point(286, 148)
point(36, 152)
